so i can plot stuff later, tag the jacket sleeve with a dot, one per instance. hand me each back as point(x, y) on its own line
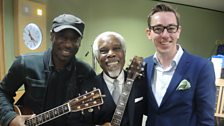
point(205, 96)
point(12, 81)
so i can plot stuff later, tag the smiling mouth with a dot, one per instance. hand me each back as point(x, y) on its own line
point(112, 66)
point(165, 42)
point(66, 52)
point(112, 63)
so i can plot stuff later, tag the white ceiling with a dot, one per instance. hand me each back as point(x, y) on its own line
point(217, 5)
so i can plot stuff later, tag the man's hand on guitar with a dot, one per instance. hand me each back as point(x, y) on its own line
point(19, 120)
point(106, 124)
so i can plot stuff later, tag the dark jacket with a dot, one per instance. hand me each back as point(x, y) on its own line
point(135, 108)
point(33, 70)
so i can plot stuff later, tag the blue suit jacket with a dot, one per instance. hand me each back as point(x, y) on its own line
point(191, 107)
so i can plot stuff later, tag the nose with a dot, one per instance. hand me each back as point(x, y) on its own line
point(111, 53)
point(165, 33)
point(68, 43)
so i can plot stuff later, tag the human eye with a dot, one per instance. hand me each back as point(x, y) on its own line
point(117, 48)
point(75, 40)
point(60, 37)
point(103, 51)
point(158, 29)
point(172, 28)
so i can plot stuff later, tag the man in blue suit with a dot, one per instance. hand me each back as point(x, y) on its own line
point(181, 86)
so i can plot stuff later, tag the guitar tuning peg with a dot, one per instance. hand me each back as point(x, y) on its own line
point(103, 96)
point(140, 76)
point(90, 110)
point(86, 92)
point(82, 112)
point(79, 94)
point(94, 88)
point(98, 107)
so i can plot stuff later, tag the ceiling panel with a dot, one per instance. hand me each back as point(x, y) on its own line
point(217, 5)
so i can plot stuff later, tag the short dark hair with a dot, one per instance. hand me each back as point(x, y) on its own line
point(162, 8)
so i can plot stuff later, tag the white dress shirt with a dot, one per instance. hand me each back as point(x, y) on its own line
point(109, 81)
point(162, 77)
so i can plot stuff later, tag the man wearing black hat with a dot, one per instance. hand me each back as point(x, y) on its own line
point(50, 78)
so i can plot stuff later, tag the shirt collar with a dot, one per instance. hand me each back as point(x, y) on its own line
point(176, 58)
point(180, 52)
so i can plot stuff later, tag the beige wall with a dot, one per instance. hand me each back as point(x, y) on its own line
point(201, 28)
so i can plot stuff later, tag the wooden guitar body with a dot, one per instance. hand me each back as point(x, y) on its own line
point(22, 110)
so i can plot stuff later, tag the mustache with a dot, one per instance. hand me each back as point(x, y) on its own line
point(114, 59)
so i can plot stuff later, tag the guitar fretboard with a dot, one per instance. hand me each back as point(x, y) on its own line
point(122, 102)
point(48, 115)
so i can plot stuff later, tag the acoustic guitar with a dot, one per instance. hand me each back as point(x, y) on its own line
point(86, 101)
point(133, 71)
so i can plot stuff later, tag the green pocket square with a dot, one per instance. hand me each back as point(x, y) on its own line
point(184, 85)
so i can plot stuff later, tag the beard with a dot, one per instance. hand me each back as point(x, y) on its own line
point(114, 73)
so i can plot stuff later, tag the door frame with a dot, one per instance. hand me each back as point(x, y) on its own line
point(2, 43)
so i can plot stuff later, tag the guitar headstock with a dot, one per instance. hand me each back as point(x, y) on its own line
point(136, 68)
point(85, 101)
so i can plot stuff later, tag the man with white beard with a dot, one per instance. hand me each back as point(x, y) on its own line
point(109, 50)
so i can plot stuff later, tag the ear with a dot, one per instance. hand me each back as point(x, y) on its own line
point(51, 36)
point(178, 32)
point(148, 33)
point(97, 59)
point(79, 41)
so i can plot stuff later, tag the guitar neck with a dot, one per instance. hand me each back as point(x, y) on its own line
point(48, 115)
point(122, 102)
point(85, 101)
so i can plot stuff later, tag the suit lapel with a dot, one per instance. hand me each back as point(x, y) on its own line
point(149, 74)
point(177, 77)
point(105, 91)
